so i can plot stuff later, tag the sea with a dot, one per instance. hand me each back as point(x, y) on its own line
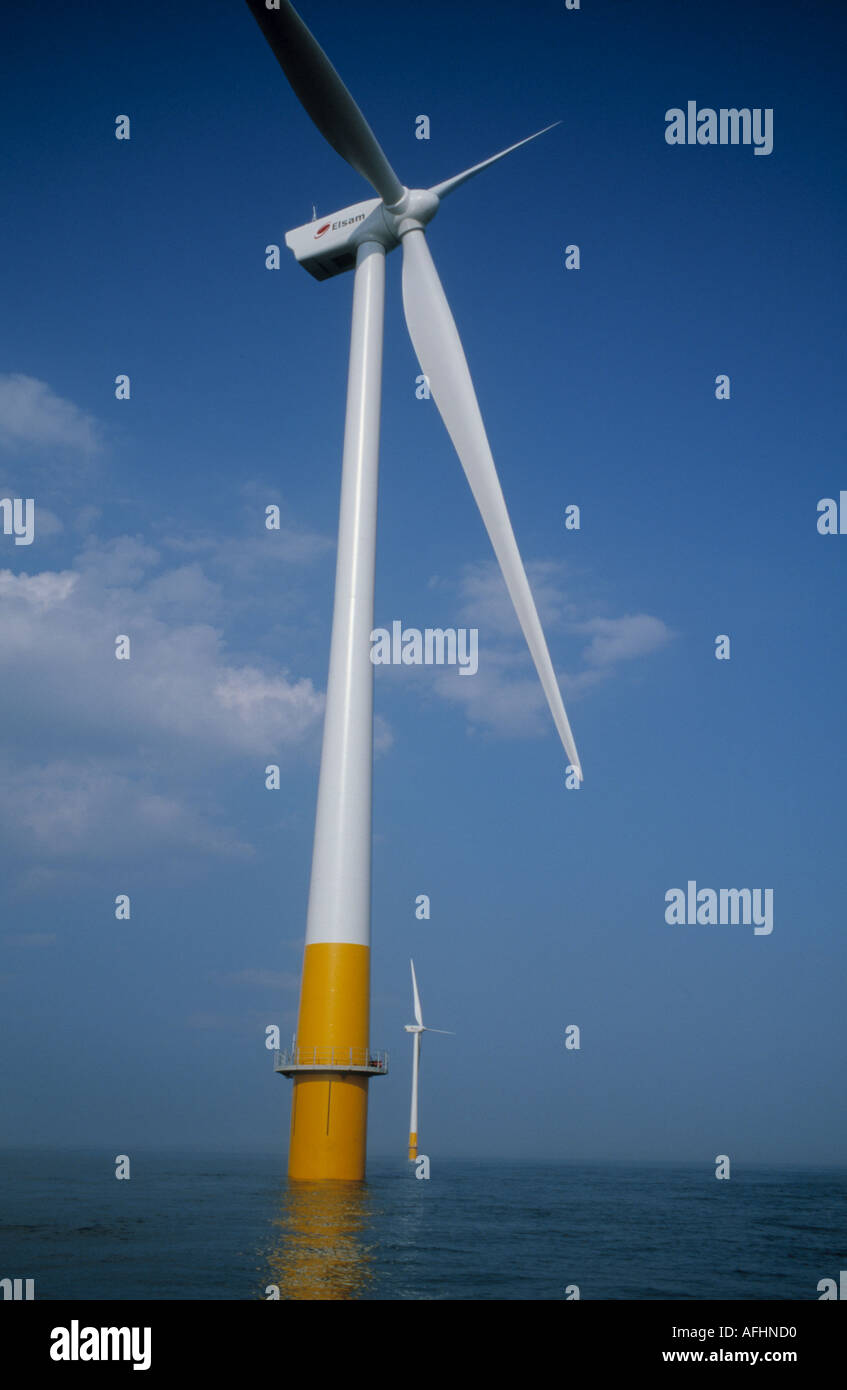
point(200, 1226)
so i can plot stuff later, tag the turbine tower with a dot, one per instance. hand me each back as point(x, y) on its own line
point(332, 1063)
point(416, 1029)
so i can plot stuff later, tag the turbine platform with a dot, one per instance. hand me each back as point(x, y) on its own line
point(336, 1059)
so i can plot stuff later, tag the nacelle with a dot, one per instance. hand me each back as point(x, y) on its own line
point(328, 246)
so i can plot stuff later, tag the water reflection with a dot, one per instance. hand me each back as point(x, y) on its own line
point(319, 1249)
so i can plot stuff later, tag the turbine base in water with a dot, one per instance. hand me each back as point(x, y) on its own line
point(329, 1127)
point(331, 1065)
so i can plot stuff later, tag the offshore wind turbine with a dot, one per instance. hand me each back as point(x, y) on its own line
point(332, 1062)
point(416, 1029)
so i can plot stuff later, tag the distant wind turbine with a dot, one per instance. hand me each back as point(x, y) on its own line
point(416, 1029)
point(332, 1064)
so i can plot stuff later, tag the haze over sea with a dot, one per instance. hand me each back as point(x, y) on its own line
point(200, 1226)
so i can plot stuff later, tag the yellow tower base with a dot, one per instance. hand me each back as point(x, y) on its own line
point(329, 1127)
point(332, 1065)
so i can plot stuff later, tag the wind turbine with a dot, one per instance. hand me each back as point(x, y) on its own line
point(416, 1029)
point(332, 1062)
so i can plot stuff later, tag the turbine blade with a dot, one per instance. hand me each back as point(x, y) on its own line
point(325, 97)
point(449, 1031)
point(442, 189)
point(438, 347)
point(416, 996)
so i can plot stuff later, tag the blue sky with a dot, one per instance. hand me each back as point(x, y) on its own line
point(598, 388)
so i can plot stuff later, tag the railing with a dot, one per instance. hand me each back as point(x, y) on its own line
point(334, 1058)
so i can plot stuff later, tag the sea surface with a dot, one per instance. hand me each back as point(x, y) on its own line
point(191, 1226)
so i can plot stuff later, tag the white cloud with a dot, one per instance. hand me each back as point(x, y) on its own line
point(104, 756)
point(504, 697)
point(118, 563)
point(622, 639)
point(187, 588)
point(179, 693)
point(484, 600)
point(70, 810)
point(47, 523)
point(32, 414)
point(285, 711)
point(613, 641)
point(246, 556)
point(101, 756)
point(41, 591)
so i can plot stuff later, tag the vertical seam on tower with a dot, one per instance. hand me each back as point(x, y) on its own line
point(328, 1100)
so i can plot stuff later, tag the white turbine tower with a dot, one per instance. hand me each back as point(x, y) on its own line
point(416, 1029)
point(329, 1110)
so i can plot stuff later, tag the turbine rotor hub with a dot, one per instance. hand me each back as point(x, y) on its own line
point(416, 207)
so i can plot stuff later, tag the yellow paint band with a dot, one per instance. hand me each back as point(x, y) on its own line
point(329, 1110)
point(334, 996)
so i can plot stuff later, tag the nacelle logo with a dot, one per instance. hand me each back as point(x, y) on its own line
point(342, 222)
